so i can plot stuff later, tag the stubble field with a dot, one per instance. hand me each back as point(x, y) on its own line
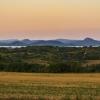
point(45, 86)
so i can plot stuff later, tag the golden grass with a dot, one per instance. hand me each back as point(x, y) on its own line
point(33, 77)
point(51, 86)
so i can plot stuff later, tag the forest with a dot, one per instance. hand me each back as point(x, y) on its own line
point(50, 59)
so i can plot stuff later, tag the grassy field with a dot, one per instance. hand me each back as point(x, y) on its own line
point(91, 62)
point(38, 86)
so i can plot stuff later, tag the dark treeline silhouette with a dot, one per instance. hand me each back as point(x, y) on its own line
point(52, 68)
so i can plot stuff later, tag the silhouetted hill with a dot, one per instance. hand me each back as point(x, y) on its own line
point(57, 42)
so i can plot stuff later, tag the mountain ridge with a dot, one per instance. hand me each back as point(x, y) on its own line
point(54, 42)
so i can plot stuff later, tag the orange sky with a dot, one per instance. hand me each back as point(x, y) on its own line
point(47, 19)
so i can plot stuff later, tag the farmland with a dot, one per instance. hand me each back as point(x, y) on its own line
point(46, 86)
point(50, 73)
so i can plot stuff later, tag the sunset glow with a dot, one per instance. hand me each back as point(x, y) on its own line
point(48, 19)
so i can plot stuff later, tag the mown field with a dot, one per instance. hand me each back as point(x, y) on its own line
point(44, 86)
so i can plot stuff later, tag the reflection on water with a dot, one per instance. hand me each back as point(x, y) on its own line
point(35, 45)
point(11, 46)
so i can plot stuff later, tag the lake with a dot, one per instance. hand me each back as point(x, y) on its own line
point(26, 46)
point(11, 46)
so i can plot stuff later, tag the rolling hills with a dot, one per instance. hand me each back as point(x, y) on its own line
point(56, 42)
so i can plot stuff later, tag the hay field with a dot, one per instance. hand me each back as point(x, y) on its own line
point(44, 86)
point(91, 62)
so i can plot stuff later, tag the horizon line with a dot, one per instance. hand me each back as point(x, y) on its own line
point(49, 38)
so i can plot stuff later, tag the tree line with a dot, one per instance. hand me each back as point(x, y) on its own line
point(51, 68)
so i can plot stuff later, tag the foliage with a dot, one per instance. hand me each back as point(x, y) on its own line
point(49, 59)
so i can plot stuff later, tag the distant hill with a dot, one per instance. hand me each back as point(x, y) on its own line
point(48, 43)
point(85, 42)
point(56, 42)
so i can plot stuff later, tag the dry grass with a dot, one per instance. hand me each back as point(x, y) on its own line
point(38, 86)
point(92, 62)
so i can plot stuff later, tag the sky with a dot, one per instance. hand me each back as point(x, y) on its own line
point(49, 19)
